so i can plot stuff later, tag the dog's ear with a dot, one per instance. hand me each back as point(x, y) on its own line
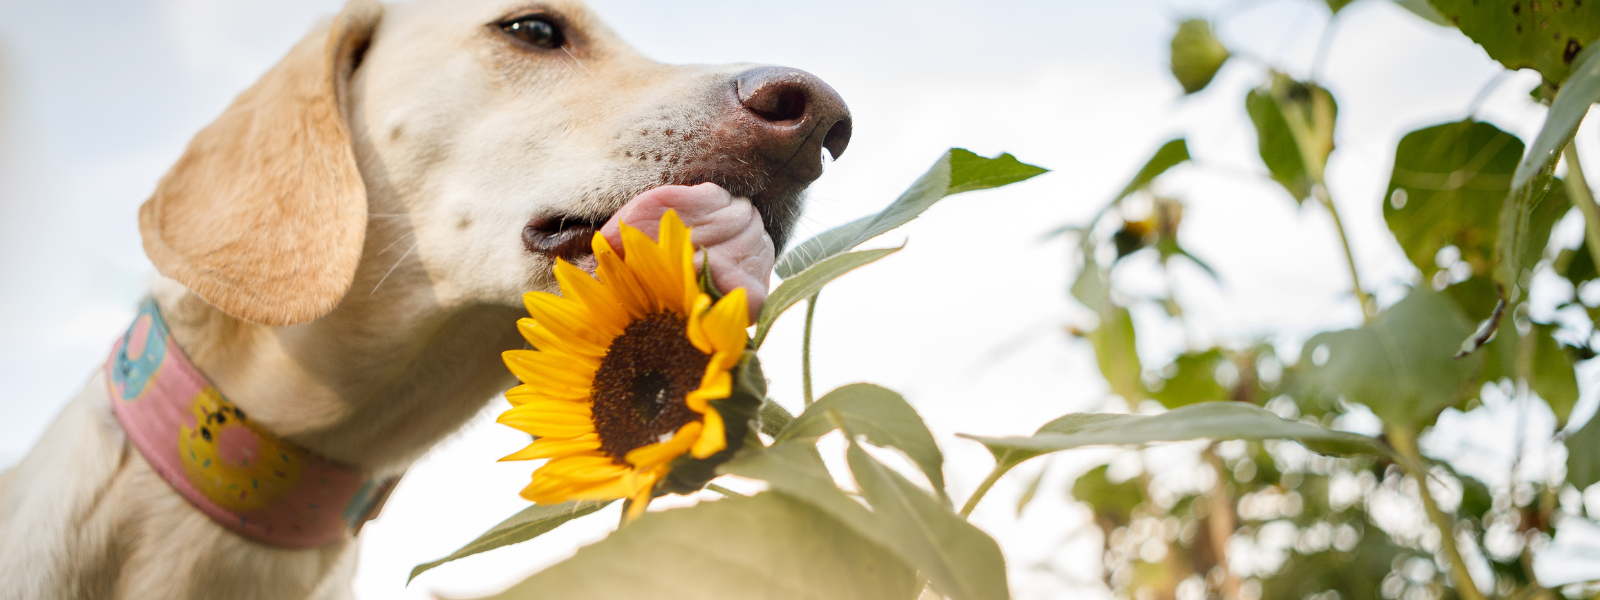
point(265, 214)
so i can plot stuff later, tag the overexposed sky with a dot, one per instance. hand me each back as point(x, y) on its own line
point(97, 98)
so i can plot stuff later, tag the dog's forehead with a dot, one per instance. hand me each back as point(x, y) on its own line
point(479, 12)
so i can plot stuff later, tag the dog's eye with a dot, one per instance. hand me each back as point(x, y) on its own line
point(534, 30)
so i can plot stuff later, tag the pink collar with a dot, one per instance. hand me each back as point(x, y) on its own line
point(250, 481)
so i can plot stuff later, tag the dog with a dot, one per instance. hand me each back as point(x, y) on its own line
point(342, 256)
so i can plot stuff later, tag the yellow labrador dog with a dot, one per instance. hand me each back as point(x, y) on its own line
point(343, 253)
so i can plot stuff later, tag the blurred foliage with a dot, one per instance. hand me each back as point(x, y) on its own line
point(1472, 209)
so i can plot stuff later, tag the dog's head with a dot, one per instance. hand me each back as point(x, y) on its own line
point(469, 144)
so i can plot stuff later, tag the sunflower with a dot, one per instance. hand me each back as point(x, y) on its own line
point(625, 370)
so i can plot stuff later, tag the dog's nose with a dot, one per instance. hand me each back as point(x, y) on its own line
point(796, 116)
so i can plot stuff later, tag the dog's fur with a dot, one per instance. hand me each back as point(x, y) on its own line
point(341, 255)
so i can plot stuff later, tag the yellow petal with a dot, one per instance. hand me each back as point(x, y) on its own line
point(653, 455)
point(676, 242)
point(716, 385)
point(549, 369)
point(725, 323)
point(568, 318)
point(641, 500)
point(713, 439)
point(696, 331)
point(586, 290)
point(618, 277)
point(585, 469)
point(525, 393)
point(652, 269)
point(561, 343)
point(542, 424)
point(551, 447)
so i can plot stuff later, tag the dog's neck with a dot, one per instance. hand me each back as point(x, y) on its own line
point(373, 384)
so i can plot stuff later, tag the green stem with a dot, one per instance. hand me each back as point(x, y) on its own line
point(983, 488)
point(1578, 190)
point(805, 348)
point(1405, 442)
point(724, 491)
point(1349, 254)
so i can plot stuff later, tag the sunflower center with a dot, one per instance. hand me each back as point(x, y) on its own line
point(640, 386)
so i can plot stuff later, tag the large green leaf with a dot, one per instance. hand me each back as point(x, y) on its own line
point(1583, 454)
point(1421, 8)
point(880, 414)
point(1214, 420)
point(1114, 350)
point(1401, 365)
point(797, 471)
point(956, 172)
point(765, 546)
point(1580, 91)
point(1526, 218)
point(1447, 187)
point(1294, 127)
point(1545, 35)
point(1193, 380)
point(960, 560)
point(1196, 55)
point(532, 522)
point(1553, 377)
point(808, 283)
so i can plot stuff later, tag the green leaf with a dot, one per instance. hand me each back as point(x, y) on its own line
point(1196, 55)
point(961, 560)
point(1401, 365)
point(1214, 420)
point(1031, 490)
point(764, 546)
point(1091, 287)
point(1113, 503)
point(1114, 350)
point(956, 172)
point(1583, 454)
point(1553, 377)
point(1294, 127)
point(808, 282)
point(1336, 5)
point(1194, 380)
point(1422, 9)
point(1169, 155)
point(797, 470)
point(774, 417)
point(1447, 187)
point(1544, 35)
point(1526, 218)
point(878, 413)
point(532, 522)
point(1572, 102)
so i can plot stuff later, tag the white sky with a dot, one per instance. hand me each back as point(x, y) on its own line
point(97, 98)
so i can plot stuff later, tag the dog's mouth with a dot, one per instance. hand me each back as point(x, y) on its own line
point(567, 237)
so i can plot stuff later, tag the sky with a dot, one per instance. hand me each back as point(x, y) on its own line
point(98, 97)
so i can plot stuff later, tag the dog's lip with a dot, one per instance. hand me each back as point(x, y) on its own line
point(564, 236)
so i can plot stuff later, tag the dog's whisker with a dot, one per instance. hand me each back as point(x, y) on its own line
point(391, 269)
point(396, 241)
point(582, 66)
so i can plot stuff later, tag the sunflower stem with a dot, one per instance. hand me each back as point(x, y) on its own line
point(805, 348)
point(1321, 192)
point(724, 491)
point(983, 488)
point(1405, 443)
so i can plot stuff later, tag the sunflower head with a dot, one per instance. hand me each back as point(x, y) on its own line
point(630, 391)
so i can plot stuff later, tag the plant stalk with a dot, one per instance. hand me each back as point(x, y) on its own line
point(805, 348)
point(1349, 254)
point(1405, 442)
point(983, 488)
point(1578, 190)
